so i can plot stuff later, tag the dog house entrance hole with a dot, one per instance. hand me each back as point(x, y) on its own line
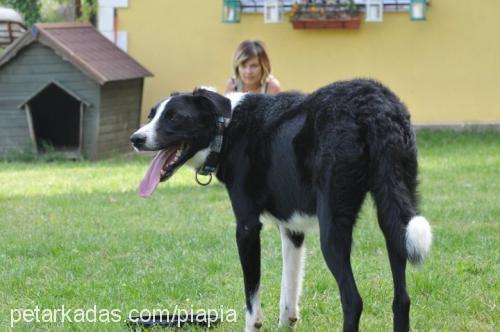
point(56, 118)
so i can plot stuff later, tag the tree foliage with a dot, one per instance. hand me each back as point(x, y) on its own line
point(30, 9)
point(89, 10)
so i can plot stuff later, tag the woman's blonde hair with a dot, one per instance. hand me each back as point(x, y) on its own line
point(249, 49)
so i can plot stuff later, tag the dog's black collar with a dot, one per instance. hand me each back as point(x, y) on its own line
point(212, 160)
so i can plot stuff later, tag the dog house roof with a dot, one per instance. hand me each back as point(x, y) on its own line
point(83, 46)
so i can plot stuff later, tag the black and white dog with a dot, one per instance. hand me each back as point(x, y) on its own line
point(302, 160)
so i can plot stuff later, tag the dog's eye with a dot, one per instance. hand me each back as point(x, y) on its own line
point(170, 116)
point(151, 114)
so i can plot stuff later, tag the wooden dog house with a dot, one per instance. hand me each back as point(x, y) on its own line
point(67, 86)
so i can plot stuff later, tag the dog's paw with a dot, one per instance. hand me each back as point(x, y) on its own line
point(255, 327)
point(288, 317)
point(288, 322)
point(254, 322)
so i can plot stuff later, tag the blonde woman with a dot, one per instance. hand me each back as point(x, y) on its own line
point(252, 70)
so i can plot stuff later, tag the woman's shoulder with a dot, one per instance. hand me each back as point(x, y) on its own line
point(273, 85)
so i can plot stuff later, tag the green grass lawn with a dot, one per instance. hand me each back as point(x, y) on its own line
point(76, 234)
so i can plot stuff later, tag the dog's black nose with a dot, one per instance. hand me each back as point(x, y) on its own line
point(138, 140)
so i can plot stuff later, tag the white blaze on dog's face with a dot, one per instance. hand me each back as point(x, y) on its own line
point(149, 130)
point(179, 128)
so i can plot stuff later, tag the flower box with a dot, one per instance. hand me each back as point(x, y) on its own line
point(323, 15)
point(335, 23)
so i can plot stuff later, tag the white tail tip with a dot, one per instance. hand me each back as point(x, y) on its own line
point(418, 239)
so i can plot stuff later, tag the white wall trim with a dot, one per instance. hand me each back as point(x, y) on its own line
point(105, 22)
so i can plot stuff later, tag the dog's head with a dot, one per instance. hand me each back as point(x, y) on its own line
point(179, 127)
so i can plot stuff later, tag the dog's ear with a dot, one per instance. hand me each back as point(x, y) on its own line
point(220, 104)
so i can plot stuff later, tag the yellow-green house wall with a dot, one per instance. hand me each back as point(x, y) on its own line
point(446, 69)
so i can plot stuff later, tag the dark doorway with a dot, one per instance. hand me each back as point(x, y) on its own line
point(56, 120)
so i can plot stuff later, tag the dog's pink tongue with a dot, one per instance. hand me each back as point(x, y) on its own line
point(152, 177)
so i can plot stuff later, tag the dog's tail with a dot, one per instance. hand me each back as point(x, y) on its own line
point(418, 239)
point(393, 182)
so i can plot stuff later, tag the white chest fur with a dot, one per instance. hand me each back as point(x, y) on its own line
point(298, 222)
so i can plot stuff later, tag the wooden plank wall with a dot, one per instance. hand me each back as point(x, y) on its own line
point(120, 116)
point(33, 67)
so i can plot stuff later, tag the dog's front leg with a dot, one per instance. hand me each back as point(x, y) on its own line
point(293, 250)
point(248, 239)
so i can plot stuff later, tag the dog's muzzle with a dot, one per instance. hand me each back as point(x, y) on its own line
point(138, 140)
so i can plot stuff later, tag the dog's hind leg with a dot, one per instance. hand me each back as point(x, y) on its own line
point(393, 184)
point(394, 192)
point(293, 251)
point(339, 200)
point(248, 240)
point(393, 209)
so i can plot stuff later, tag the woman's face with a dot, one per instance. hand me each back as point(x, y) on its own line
point(250, 71)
